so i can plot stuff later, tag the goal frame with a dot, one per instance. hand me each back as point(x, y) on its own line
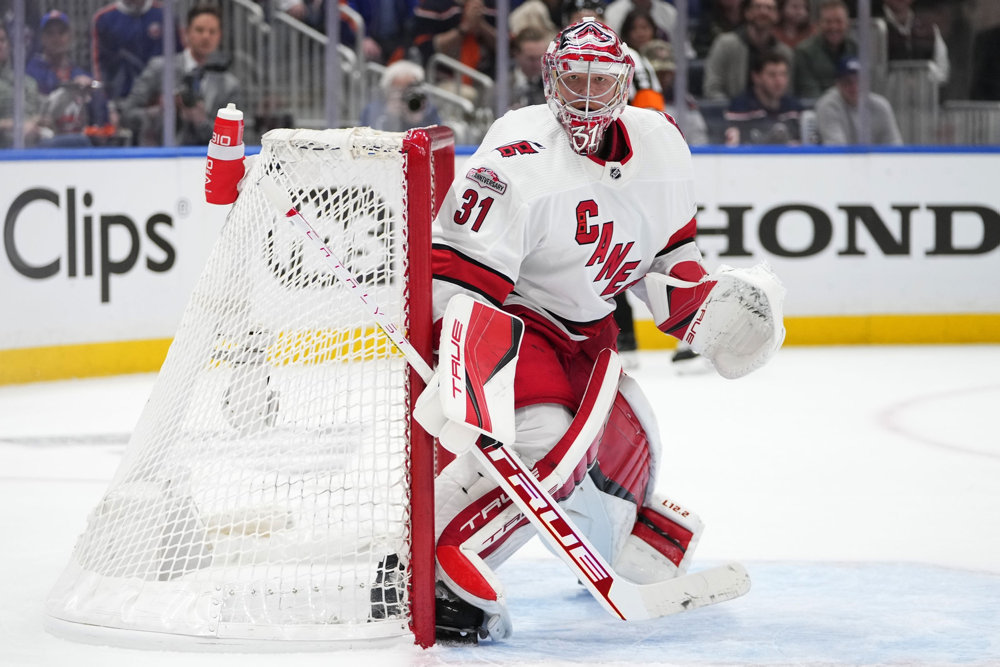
point(424, 167)
point(436, 148)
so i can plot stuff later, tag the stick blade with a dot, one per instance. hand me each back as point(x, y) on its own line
point(691, 591)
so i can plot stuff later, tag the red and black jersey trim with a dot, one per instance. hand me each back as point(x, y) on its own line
point(680, 238)
point(578, 328)
point(451, 266)
point(617, 146)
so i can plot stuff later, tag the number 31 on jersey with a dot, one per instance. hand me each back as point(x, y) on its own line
point(471, 203)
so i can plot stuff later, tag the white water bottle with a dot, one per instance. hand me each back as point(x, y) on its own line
point(224, 167)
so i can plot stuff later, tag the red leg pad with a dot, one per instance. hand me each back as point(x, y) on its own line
point(623, 459)
point(659, 532)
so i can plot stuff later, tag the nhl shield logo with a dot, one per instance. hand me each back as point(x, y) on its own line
point(616, 173)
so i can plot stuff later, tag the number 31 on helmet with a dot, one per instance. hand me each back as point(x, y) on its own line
point(587, 72)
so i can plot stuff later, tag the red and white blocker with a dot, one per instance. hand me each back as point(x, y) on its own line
point(592, 441)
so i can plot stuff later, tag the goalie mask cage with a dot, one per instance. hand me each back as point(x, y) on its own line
point(275, 486)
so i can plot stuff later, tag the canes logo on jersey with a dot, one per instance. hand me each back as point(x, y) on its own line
point(609, 256)
point(522, 147)
point(487, 178)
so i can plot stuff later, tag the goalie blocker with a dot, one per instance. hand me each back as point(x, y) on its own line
point(600, 470)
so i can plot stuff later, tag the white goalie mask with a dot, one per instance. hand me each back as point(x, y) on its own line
point(587, 72)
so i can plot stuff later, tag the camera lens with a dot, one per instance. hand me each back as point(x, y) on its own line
point(415, 99)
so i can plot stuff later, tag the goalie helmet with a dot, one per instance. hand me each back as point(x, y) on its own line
point(587, 72)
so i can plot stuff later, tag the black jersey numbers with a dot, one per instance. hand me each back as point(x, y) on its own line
point(472, 204)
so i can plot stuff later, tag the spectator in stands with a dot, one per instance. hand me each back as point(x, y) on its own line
point(661, 13)
point(875, 8)
point(403, 102)
point(204, 85)
point(816, 58)
point(837, 111)
point(914, 37)
point(73, 106)
point(794, 22)
point(638, 29)
point(527, 49)
point(464, 30)
point(53, 66)
point(985, 83)
point(388, 27)
point(722, 16)
point(577, 10)
point(765, 113)
point(309, 12)
point(32, 17)
point(543, 15)
point(388, 24)
point(30, 126)
point(660, 56)
point(727, 69)
point(126, 35)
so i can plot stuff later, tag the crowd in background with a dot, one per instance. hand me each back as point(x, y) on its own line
point(758, 71)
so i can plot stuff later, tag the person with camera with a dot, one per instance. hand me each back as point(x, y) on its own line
point(74, 107)
point(125, 35)
point(403, 103)
point(204, 84)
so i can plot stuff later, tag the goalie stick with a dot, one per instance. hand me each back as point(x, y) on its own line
point(621, 598)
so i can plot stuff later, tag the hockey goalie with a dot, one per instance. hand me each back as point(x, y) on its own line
point(562, 207)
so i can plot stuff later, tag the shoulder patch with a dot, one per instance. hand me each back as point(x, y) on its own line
point(487, 178)
point(522, 147)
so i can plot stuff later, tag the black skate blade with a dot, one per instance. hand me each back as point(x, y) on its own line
point(456, 637)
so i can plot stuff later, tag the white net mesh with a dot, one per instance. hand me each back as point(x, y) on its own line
point(264, 492)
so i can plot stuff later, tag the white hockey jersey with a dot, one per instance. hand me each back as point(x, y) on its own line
point(530, 222)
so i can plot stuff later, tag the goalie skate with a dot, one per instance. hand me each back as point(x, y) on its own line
point(457, 621)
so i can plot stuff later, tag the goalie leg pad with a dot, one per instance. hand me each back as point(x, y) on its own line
point(472, 391)
point(463, 493)
point(662, 542)
point(654, 539)
point(480, 522)
point(604, 506)
point(482, 527)
point(472, 512)
point(624, 461)
point(480, 519)
point(489, 527)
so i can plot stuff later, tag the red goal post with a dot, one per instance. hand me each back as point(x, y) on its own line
point(276, 493)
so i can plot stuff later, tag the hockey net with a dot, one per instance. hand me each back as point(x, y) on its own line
point(275, 487)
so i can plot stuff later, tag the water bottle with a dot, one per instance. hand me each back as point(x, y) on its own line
point(224, 167)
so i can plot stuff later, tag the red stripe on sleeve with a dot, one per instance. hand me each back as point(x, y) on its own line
point(685, 233)
point(451, 266)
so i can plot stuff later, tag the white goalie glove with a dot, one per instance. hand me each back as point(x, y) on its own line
point(740, 325)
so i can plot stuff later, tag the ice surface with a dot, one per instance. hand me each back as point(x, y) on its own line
point(859, 485)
